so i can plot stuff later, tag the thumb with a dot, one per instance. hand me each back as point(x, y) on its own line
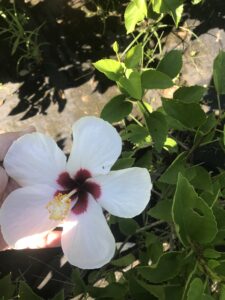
point(3, 183)
point(6, 140)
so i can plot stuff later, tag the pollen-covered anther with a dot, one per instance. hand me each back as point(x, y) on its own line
point(59, 207)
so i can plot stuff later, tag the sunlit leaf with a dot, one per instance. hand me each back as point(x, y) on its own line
point(135, 12)
point(110, 67)
point(133, 56)
point(132, 85)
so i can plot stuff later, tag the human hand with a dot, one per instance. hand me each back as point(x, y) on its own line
point(7, 185)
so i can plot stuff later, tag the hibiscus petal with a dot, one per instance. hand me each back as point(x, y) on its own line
point(124, 193)
point(24, 213)
point(35, 159)
point(96, 146)
point(87, 241)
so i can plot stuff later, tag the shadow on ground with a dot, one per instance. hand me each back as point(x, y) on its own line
point(71, 40)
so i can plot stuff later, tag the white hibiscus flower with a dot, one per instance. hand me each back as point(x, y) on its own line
point(56, 191)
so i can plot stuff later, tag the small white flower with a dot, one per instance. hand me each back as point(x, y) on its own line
point(55, 191)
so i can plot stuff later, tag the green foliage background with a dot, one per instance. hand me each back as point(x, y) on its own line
point(177, 246)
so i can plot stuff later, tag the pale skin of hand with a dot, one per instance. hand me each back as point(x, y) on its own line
point(7, 185)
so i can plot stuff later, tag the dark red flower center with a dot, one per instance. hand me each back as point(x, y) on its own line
point(82, 186)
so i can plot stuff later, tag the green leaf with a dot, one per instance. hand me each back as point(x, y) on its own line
point(189, 94)
point(78, 282)
point(135, 133)
point(189, 114)
point(190, 275)
point(219, 72)
point(116, 109)
point(220, 268)
point(110, 67)
point(177, 14)
point(115, 47)
point(211, 253)
point(220, 179)
point(224, 135)
point(162, 210)
point(15, 45)
point(206, 131)
point(132, 85)
point(154, 247)
point(222, 292)
point(171, 63)
point(133, 57)
point(165, 6)
point(174, 123)
point(124, 261)
point(213, 264)
point(219, 213)
point(196, 1)
point(154, 252)
point(7, 288)
point(123, 163)
point(211, 197)
point(201, 179)
point(193, 218)
point(145, 161)
point(135, 12)
point(173, 292)
point(114, 291)
point(152, 79)
point(155, 290)
point(26, 293)
point(196, 290)
point(59, 296)
point(157, 126)
point(209, 125)
point(207, 297)
point(135, 290)
point(170, 145)
point(178, 165)
point(128, 226)
point(168, 267)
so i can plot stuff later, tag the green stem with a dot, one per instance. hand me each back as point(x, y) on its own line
point(189, 280)
point(147, 227)
point(145, 108)
point(219, 106)
point(132, 43)
point(136, 120)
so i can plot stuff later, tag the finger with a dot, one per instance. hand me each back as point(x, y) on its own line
point(11, 186)
point(3, 183)
point(37, 241)
point(6, 140)
point(3, 245)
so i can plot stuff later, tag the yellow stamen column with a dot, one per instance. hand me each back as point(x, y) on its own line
point(60, 206)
